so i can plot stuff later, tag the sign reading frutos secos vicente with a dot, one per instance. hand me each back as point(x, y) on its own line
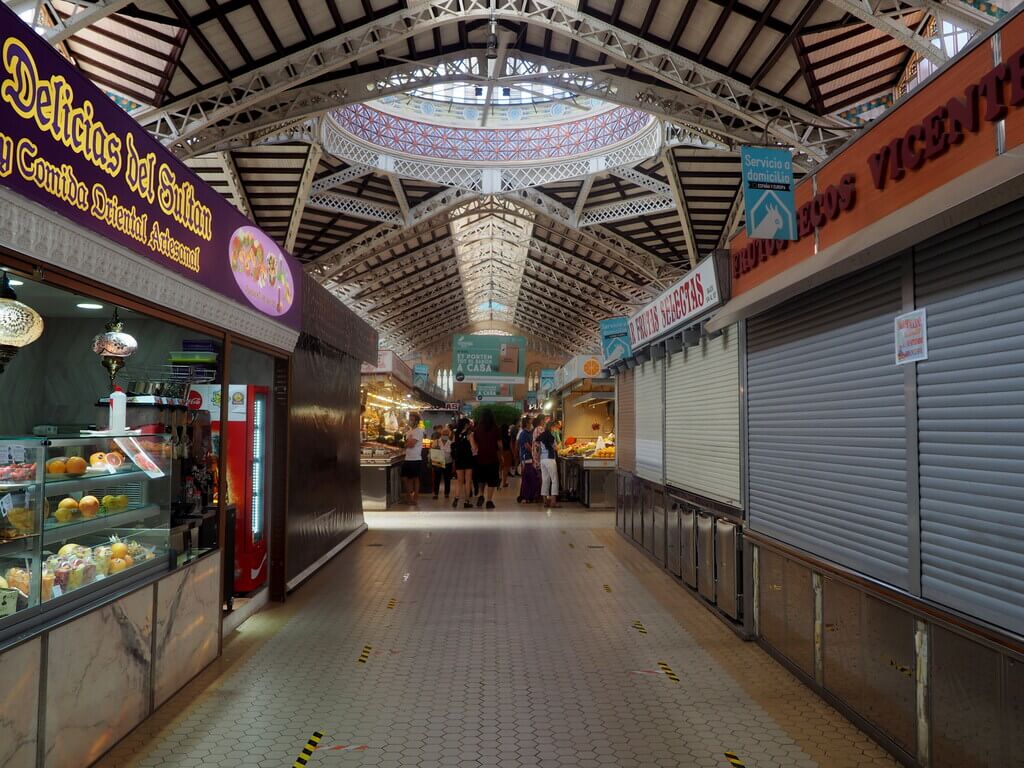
point(66, 146)
point(691, 297)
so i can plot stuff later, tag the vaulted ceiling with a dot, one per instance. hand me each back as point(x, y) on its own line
point(241, 90)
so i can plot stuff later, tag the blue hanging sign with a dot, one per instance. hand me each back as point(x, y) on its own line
point(768, 193)
point(615, 339)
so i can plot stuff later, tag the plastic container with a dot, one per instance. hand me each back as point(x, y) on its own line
point(118, 411)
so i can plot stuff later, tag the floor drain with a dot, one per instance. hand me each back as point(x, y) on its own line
point(375, 545)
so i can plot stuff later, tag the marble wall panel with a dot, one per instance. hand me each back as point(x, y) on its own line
point(98, 680)
point(19, 704)
point(187, 625)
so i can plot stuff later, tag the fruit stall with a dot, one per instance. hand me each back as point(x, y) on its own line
point(587, 469)
point(84, 513)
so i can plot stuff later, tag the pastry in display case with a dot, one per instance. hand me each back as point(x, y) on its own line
point(78, 512)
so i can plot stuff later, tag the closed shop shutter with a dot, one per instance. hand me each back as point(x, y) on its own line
point(971, 418)
point(625, 429)
point(650, 419)
point(826, 425)
point(702, 418)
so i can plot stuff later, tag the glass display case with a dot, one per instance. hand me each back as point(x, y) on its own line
point(80, 516)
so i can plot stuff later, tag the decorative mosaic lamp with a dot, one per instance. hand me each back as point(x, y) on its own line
point(114, 347)
point(20, 325)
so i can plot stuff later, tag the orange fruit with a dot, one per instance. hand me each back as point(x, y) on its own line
point(97, 459)
point(68, 503)
point(114, 459)
point(89, 506)
point(117, 564)
point(129, 560)
point(56, 467)
point(75, 465)
point(119, 550)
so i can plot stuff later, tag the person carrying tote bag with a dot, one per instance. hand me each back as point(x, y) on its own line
point(441, 459)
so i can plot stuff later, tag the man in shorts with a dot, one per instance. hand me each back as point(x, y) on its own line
point(413, 459)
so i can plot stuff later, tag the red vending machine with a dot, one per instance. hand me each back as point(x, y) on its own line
point(246, 473)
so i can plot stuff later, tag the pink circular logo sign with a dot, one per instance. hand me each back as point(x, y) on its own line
point(261, 271)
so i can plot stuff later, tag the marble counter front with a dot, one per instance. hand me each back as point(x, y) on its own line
point(107, 670)
point(98, 679)
point(19, 704)
point(187, 626)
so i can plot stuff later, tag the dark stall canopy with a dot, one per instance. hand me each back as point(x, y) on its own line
point(477, 164)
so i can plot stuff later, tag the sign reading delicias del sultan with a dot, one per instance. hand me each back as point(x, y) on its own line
point(68, 147)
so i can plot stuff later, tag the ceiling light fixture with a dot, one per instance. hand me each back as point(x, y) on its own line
point(492, 40)
point(20, 325)
point(114, 346)
point(89, 305)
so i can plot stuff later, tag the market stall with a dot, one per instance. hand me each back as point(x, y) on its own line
point(388, 396)
point(114, 493)
point(585, 403)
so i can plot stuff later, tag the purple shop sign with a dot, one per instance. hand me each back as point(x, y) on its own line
point(68, 147)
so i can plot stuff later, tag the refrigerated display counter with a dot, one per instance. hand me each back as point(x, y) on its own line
point(380, 475)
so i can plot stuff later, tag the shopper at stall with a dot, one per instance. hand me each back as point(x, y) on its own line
point(413, 459)
point(486, 445)
point(441, 458)
point(546, 449)
point(507, 464)
point(556, 430)
point(539, 425)
point(462, 461)
point(529, 487)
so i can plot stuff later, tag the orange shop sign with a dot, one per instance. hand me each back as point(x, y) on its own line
point(945, 129)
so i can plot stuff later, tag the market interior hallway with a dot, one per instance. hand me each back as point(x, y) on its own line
point(494, 638)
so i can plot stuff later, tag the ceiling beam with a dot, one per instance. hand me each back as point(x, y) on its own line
point(630, 208)
point(682, 210)
point(336, 202)
point(338, 178)
point(235, 185)
point(302, 195)
point(581, 198)
point(186, 119)
point(894, 28)
point(59, 27)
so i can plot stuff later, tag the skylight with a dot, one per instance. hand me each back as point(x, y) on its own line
point(505, 91)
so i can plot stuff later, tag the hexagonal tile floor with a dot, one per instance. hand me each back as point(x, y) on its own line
point(505, 638)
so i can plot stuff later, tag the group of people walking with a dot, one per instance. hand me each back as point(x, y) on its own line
point(480, 457)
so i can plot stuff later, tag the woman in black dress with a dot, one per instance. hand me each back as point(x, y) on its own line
point(462, 458)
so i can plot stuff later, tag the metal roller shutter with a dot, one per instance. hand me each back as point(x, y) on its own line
point(826, 425)
point(650, 419)
point(625, 416)
point(971, 418)
point(702, 418)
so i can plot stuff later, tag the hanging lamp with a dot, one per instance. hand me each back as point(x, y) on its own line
point(114, 346)
point(20, 325)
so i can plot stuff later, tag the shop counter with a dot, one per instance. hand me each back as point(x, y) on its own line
point(570, 469)
point(597, 483)
point(381, 480)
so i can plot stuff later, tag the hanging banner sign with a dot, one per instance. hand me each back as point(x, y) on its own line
point(489, 359)
point(421, 375)
point(681, 304)
point(911, 337)
point(65, 145)
point(547, 381)
point(615, 339)
point(452, 406)
point(494, 393)
point(768, 193)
